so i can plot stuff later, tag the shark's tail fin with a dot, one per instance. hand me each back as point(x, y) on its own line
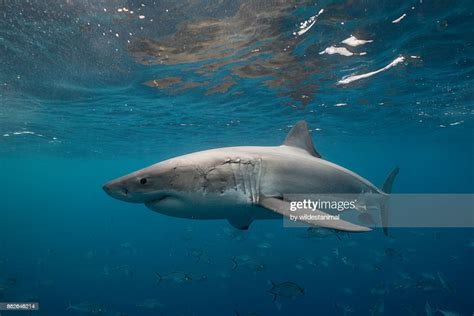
point(387, 188)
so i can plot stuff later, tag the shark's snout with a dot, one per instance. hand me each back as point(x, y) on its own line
point(115, 190)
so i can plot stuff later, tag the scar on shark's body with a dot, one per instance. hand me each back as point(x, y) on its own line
point(243, 184)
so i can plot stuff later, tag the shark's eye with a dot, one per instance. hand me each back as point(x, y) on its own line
point(143, 180)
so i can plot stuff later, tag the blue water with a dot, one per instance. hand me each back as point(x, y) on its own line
point(90, 91)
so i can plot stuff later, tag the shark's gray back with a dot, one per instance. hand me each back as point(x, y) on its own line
point(274, 171)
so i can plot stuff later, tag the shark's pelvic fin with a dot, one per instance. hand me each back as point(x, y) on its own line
point(242, 223)
point(299, 137)
point(283, 207)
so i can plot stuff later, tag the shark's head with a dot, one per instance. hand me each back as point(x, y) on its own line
point(195, 185)
point(151, 184)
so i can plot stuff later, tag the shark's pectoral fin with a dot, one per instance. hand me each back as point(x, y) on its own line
point(283, 207)
point(242, 223)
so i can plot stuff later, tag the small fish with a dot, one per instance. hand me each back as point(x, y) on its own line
point(122, 269)
point(87, 308)
point(106, 271)
point(248, 262)
point(286, 290)
point(347, 262)
point(380, 289)
point(367, 266)
point(403, 284)
point(428, 276)
point(448, 313)
point(348, 291)
point(378, 254)
point(236, 313)
point(427, 283)
point(307, 261)
point(234, 234)
point(264, 245)
point(392, 253)
point(175, 277)
point(269, 235)
point(410, 311)
point(454, 257)
point(345, 309)
point(196, 254)
point(378, 309)
point(319, 232)
point(443, 282)
point(404, 275)
point(349, 244)
point(299, 267)
point(428, 309)
point(150, 303)
point(186, 236)
point(198, 277)
point(89, 255)
point(199, 255)
point(324, 262)
point(223, 275)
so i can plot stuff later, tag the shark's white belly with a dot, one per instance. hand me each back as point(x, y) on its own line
point(226, 205)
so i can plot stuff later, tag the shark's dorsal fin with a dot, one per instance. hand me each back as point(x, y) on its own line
point(299, 137)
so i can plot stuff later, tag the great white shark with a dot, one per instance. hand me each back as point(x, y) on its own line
point(243, 184)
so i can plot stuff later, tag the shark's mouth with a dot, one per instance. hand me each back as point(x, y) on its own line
point(156, 201)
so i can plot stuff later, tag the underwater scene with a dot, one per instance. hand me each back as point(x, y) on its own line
point(154, 153)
